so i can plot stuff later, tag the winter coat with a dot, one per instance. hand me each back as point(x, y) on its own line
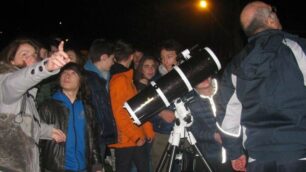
point(204, 126)
point(100, 100)
point(263, 95)
point(53, 154)
point(14, 84)
point(121, 90)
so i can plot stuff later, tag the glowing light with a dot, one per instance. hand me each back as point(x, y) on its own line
point(203, 4)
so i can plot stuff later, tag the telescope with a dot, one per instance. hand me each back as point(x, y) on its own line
point(199, 63)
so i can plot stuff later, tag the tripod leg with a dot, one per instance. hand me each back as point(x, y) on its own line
point(170, 165)
point(163, 159)
point(202, 158)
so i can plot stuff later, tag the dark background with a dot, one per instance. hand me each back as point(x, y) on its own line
point(144, 23)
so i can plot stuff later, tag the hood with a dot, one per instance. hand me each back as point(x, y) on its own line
point(6, 68)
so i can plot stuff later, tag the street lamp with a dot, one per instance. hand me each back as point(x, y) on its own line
point(203, 4)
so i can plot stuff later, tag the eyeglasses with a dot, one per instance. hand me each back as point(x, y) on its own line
point(273, 9)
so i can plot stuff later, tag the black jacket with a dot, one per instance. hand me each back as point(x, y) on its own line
point(204, 126)
point(103, 111)
point(53, 154)
point(263, 89)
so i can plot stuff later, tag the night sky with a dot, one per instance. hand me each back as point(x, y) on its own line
point(144, 23)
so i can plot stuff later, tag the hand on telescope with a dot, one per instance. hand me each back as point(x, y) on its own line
point(167, 115)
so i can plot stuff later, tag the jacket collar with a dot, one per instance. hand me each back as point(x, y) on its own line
point(118, 68)
point(264, 33)
point(91, 67)
point(129, 74)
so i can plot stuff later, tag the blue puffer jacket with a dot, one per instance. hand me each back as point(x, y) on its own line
point(204, 127)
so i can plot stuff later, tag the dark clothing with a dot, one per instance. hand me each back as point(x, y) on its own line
point(139, 85)
point(203, 128)
point(100, 100)
point(263, 89)
point(214, 165)
point(45, 89)
point(117, 68)
point(275, 166)
point(53, 154)
point(125, 157)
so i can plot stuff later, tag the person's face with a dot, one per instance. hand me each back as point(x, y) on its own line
point(274, 21)
point(168, 59)
point(43, 53)
point(70, 80)
point(205, 84)
point(25, 56)
point(108, 61)
point(149, 69)
point(72, 55)
point(137, 56)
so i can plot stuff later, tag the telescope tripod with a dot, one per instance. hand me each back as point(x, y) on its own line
point(179, 132)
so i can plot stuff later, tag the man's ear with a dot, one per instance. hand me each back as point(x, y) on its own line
point(103, 57)
point(272, 20)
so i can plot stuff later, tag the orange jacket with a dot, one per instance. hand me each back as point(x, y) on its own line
point(122, 89)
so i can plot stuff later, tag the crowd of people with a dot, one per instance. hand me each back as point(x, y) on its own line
point(61, 110)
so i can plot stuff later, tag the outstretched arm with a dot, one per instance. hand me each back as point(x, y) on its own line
point(15, 84)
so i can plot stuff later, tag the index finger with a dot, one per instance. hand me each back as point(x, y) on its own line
point(61, 46)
